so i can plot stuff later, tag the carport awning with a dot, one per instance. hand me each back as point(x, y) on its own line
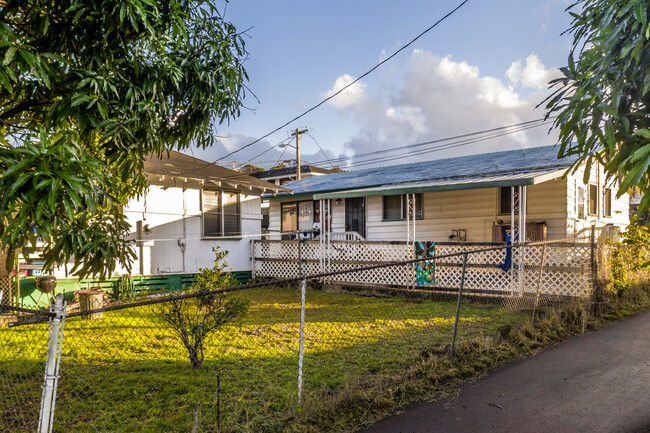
point(450, 184)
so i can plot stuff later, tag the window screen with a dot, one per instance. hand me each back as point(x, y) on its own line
point(221, 213)
point(593, 199)
point(607, 202)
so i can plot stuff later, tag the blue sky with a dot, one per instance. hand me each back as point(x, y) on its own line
point(486, 66)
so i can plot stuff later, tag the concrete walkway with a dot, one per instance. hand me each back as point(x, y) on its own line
point(599, 382)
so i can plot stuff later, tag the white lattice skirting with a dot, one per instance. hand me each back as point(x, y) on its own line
point(562, 269)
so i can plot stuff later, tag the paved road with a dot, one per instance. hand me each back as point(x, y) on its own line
point(599, 382)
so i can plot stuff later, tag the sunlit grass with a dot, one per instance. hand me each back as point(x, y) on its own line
point(127, 372)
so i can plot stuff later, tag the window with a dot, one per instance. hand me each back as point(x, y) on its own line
point(289, 217)
point(580, 202)
point(593, 199)
point(395, 207)
point(299, 216)
point(221, 214)
point(607, 202)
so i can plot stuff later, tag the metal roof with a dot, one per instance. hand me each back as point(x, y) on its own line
point(489, 181)
point(290, 171)
point(180, 169)
point(507, 168)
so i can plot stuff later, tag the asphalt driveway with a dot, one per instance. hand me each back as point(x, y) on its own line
point(599, 382)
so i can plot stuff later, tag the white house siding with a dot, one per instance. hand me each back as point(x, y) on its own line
point(474, 210)
point(620, 206)
point(174, 214)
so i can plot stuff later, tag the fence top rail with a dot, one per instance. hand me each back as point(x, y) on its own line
point(164, 299)
point(559, 242)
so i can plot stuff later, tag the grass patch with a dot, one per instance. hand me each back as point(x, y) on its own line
point(364, 358)
point(126, 372)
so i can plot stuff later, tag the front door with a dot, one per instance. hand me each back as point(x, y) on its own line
point(355, 215)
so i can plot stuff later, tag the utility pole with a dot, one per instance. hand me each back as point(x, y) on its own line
point(296, 134)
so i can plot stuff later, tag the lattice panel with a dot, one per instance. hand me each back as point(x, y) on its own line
point(566, 270)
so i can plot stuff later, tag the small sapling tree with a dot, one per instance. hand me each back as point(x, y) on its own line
point(194, 320)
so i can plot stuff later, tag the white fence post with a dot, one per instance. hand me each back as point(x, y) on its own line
point(52, 364)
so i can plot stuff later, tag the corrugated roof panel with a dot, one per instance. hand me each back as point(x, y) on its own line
point(506, 162)
point(473, 182)
point(179, 165)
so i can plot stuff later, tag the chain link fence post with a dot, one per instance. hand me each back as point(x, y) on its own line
point(539, 284)
point(460, 296)
point(52, 364)
point(303, 289)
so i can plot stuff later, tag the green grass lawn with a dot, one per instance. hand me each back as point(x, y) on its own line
point(127, 372)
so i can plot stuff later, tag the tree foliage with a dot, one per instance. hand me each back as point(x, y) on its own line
point(603, 102)
point(194, 320)
point(88, 89)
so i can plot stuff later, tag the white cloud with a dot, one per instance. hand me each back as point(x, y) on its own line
point(533, 76)
point(349, 96)
point(441, 97)
point(514, 72)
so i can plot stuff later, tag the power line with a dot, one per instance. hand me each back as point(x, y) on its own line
point(321, 149)
point(447, 146)
point(267, 150)
point(350, 84)
point(440, 140)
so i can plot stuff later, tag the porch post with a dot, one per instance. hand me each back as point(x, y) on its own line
point(512, 237)
point(329, 238)
point(524, 211)
point(321, 238)
point(522, 235)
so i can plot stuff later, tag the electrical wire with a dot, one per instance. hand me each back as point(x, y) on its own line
point(441, 140)
point(447, 146)
point(350, 84)
point(267, 150)
point(321, 149)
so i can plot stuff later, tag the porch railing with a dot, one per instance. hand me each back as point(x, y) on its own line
point(566, 266)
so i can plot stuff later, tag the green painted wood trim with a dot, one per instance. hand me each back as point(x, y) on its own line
point(415, 189)
point(29, 295)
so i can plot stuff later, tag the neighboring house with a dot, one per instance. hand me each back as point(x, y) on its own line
point(192, 206)
point(281, 176)
point(470, 198)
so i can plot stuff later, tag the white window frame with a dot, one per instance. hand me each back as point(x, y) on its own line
point(419, 207)
point(221, 234)
point(595, 197)
point(607, 202)
point(581, 210)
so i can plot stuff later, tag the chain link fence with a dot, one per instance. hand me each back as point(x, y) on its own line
point(259, 357)
point(7, 291)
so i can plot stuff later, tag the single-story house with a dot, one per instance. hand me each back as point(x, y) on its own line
point(472, 198)
point(190, 207)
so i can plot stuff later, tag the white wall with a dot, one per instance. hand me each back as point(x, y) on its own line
point(474, 210)
point(620, 206)
point(174, 214)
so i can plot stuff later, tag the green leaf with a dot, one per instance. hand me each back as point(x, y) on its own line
point(9, 56)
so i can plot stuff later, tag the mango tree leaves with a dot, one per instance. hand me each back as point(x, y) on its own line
point(603, 102)
point(88, 89)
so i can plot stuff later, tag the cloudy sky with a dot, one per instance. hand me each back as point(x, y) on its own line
point(485, 67)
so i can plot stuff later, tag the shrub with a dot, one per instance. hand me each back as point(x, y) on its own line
point(194, 320)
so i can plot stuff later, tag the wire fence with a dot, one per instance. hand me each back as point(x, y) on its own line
point(255, 357)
